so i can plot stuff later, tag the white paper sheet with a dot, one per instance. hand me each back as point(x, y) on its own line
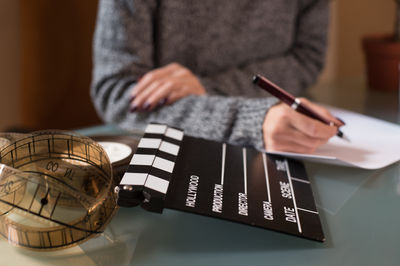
point(374, 143)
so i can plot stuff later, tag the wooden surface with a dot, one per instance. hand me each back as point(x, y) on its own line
point(56, 42)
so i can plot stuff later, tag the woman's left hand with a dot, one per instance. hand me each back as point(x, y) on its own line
point(164, 85)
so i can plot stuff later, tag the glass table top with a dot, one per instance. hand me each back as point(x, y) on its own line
point(359, 209)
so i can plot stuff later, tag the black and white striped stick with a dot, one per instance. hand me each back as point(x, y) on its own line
point(147, 178)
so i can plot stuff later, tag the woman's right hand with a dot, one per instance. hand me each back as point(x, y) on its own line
point(286, 130)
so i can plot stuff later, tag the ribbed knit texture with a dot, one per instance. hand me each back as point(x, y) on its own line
point(224, 43)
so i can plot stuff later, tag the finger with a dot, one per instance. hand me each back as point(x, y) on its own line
point(325, 113)
point(180, 71)
point(160, 95)
point(151, 77)
point(174, 96)
point(283, 134)
point(312, 127)
point(272, 145)
point(140, 100)
point(298, 138)
point(322, 111)
point(163, 101)
point(341, 121)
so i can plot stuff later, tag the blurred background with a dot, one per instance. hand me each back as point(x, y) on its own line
point(45, 57)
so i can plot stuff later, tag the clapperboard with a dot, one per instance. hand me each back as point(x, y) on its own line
point(171, 170)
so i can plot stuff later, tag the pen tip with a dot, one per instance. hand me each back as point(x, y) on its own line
point(346, 138)
point(342, 136)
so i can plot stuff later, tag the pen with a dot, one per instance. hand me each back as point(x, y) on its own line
point(292, 101)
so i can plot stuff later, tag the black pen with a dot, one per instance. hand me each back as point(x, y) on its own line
point(293, 102)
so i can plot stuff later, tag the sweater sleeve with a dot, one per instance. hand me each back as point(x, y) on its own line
point(119, 60)
point(302, 63)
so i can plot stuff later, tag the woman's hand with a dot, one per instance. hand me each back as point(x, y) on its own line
point(164, 85)
point(284, 129)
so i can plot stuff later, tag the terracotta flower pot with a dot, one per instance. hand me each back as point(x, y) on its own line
point(382, 58)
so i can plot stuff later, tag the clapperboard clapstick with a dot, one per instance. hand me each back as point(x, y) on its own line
point(148, 175)
point(170, 170)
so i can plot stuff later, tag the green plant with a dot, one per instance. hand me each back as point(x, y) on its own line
point(397, 25)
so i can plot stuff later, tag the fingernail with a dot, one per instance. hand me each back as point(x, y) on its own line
point(133, 108)
point(340, 120)
point(163, 101)
point(146, 106)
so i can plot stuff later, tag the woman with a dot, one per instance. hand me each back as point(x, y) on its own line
point(189, 64)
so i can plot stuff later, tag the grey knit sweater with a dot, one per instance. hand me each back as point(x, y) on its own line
point(224, 43)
